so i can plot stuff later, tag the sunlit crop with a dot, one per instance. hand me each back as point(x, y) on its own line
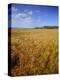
point(34, 51)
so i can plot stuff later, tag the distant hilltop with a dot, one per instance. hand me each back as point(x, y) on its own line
point(46, 27)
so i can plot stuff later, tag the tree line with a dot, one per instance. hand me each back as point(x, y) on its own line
point(46, 27)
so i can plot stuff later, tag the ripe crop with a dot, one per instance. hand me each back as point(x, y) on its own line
point(34, 51)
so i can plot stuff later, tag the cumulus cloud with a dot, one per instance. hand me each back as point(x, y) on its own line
point(21, 15)
point(24, 17)
point(28, 19)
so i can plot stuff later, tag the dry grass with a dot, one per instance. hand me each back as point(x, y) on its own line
point(34, 51)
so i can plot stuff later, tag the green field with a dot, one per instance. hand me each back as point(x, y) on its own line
point(34, 51)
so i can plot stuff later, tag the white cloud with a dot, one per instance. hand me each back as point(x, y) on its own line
point(28, 19)
point(24, 16)
point(21, 17)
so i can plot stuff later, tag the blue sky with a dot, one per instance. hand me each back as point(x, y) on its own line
point(29, 16)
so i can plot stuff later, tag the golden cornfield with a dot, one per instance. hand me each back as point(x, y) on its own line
point(34, 52)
